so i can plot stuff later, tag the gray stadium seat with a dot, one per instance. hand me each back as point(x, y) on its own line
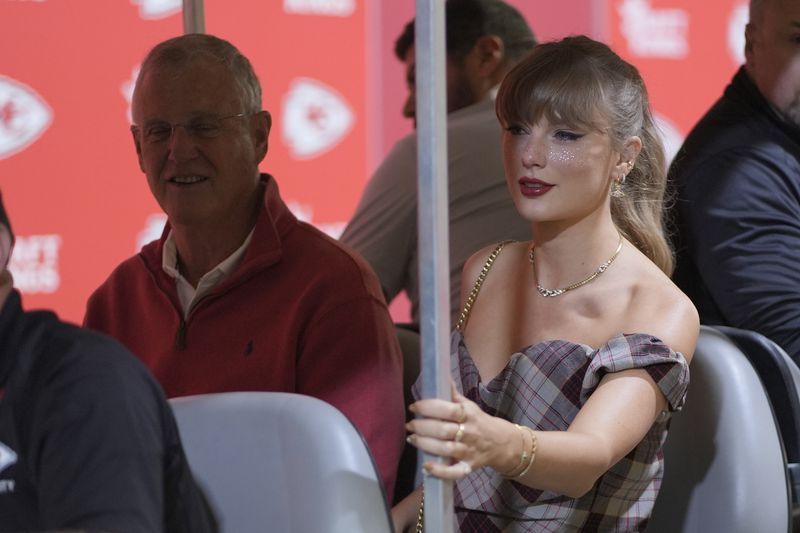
point(781, 378)
point(725, 469)
point(281, 462)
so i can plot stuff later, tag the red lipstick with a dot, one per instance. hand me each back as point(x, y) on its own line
point(533, 188)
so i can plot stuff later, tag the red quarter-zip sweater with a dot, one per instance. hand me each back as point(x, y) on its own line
point(301, 313)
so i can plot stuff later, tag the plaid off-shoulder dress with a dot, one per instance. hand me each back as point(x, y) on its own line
point(544, 386)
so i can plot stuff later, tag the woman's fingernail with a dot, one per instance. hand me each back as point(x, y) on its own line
point(410, 439)
point(412, 408)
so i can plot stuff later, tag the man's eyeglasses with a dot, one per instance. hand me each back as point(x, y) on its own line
point(203, 127)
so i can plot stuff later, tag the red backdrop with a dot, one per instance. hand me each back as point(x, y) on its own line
point(68, 171)
point(686, 50)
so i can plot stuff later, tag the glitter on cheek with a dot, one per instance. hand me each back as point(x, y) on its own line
point(563, 155)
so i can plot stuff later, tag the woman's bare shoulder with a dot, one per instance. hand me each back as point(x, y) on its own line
point(657, 306)
point(509, 253)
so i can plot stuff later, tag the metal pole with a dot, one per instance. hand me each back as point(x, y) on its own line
point(193, 17)
point(433, 235)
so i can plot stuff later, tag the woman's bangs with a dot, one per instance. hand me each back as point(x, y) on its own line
point(568, 95)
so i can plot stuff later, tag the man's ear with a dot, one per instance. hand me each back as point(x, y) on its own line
point(137, 143)
point(6, 285)
point(262, 123)
point(489, 54)
point(6, 247)
point(749, 42)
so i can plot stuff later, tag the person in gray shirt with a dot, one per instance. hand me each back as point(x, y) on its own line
point(485, 39)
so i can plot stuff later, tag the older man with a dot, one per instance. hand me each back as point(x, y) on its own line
point(238, 294)
point(87, 440)
point(738, 183)
point(485, 39)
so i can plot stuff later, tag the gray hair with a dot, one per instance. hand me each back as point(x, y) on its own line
point(183, 50)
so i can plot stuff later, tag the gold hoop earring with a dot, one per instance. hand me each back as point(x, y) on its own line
point(617, 190)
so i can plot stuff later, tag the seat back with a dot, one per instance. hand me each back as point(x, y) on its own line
point(781, 378)
point(283, 462)
point(725, 469)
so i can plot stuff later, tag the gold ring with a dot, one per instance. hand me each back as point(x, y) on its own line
point(459, 433)
point(463, 415)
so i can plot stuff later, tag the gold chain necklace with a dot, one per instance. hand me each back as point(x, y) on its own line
point(552, 293)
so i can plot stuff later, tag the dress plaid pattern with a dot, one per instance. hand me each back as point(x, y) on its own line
point(543, 386)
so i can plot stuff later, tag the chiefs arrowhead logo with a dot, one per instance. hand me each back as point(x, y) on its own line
point(157, 9)
point(24, 116)
point(315, 118)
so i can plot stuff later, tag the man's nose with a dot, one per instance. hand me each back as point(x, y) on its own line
point(182, 143)
point(410, 107)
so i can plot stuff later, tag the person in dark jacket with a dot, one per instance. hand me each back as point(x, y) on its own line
point(737, 178)
point(87, 439)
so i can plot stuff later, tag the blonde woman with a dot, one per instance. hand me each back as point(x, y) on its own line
point(573, 348)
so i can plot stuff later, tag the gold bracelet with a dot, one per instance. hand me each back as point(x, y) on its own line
point(534, 444)
point(523, 456)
